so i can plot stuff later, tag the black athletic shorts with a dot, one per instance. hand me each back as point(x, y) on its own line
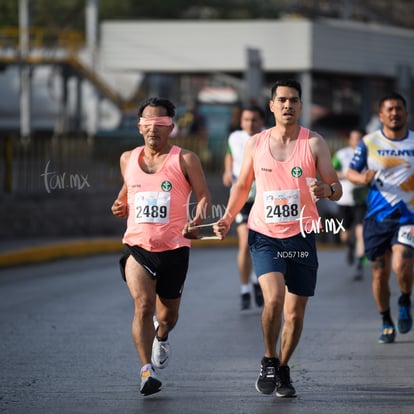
point(243, 216)
point(168, 268)
point(351, 215)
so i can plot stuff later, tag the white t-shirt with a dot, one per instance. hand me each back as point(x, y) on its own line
point(237, 141)
point(344, 156)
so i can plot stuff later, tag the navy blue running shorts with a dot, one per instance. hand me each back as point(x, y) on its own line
point(379, 237)
point(168, 268)
point(295, 257)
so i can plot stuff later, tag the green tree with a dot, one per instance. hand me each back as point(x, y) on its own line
point(9, 12)
point(70, 14)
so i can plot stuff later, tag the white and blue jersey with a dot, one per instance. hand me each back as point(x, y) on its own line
point(391, 192)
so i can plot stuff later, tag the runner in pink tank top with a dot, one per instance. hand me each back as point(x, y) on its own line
point(283, 205)
point(158, 203)
point(158, 180)
point(282, 223)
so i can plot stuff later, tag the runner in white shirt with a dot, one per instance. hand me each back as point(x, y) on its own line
point(251, 121)
point(352, 204)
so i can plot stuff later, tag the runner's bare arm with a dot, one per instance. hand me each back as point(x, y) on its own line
point(329, 186)
point(240, 191)
point(360, 178)
point(228, 170)
point(193, 170)
point(120, 206)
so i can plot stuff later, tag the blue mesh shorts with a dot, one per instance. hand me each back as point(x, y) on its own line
point(295, 257)
point(379, 237)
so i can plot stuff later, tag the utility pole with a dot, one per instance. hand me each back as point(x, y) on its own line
point(92, 41)
point(253, 77)
point(347, 10)
point(25, 71)
point(403, 81)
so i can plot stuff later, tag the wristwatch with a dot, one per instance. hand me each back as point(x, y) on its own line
point(333, 189)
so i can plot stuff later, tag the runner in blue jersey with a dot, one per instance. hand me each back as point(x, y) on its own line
point(384, 159)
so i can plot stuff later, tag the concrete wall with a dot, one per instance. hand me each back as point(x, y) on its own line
point(361, 49)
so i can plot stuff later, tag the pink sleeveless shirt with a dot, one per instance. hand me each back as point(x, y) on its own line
point(283, 206)
point(157, 204)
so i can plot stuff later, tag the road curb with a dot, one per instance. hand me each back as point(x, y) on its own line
point(79, 248)
point(88, 247)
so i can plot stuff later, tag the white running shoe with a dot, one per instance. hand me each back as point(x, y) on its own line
point(150, 384)
point(154, 320)
point(161, 353)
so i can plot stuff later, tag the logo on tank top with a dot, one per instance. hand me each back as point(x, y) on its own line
point(166, 186)
point(296, 172)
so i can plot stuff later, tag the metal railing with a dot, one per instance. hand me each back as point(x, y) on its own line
point(44, 165)
point(48, 164)
point(56, 47)
point(40, 38)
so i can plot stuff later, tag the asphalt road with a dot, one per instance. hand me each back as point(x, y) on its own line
point(66, 346)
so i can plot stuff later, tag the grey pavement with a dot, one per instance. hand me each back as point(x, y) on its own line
point(66, 345)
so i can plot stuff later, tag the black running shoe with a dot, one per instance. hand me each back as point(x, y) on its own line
point(387, 335)
point(405, 321)
point(150, 384)
point(268, 378)
point(350, 256)
point(358, 275)
point(285, 387)
point(258, 295)
point(245, 301)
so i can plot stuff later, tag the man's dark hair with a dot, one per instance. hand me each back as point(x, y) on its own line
point(290, 83)
point(358, 129)
point(165, 103)
point(394, 96)
point(254, 108)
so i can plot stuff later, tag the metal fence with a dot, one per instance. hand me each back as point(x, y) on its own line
point(46, 164)
point(66, 186)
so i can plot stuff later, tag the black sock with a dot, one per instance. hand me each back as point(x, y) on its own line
point(386, 318)
point(404, 299)
point(272, 361)
point(160, 339)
